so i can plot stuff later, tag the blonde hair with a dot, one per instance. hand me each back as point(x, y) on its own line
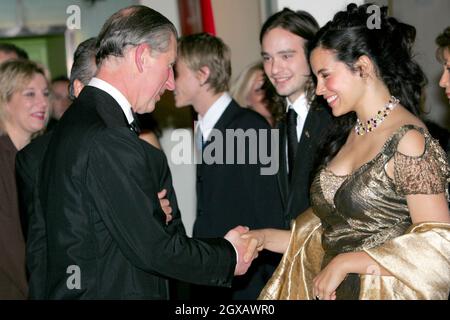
point(202, 49)
point(14, 77)
point(241, 87)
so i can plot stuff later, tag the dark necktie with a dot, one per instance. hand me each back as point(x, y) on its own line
point(135, 126)
point(292, 140)
point(199, 143)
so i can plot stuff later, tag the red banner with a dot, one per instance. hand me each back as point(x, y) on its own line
point(207, 17)
point(196, 16)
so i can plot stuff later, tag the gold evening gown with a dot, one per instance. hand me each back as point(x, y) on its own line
point(367, 211)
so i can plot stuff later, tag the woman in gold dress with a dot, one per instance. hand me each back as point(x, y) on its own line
point(379, 225)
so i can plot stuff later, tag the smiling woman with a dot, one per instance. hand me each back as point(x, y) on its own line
point(23, 112)
point(24, 103)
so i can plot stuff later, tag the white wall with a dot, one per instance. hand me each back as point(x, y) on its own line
point(184, 181)
point(322, 10)
point(168, 8)
point(238, 23)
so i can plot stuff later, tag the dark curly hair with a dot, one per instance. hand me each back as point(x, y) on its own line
point(390, 50)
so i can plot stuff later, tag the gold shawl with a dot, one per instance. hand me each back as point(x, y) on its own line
point(419, 262)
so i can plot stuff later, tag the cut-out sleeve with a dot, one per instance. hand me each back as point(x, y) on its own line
point(425, 174)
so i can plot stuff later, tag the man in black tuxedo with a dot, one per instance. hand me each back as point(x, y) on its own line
point(97, 229)
point(284, 37)
point(228, 193)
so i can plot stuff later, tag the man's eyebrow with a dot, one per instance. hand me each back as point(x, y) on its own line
point(280, 52)
point(286, 51)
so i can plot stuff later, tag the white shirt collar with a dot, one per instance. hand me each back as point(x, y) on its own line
point(116, 94)
point(209, 120)
point(300, 106)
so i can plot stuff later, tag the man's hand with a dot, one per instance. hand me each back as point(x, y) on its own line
point(242, 246)
point(165, 205)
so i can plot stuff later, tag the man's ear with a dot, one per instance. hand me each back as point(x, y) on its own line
point(365, 67)
point(139, 55)
point(203, 75)
point(77, 87)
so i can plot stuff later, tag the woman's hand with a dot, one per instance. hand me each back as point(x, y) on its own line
point(327, 281)
point(256, 240)
point(275, 240)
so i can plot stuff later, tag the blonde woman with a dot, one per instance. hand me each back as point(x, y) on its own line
point(253, 90)
point(24, 109)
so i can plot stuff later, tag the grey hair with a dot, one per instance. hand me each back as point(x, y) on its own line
point(132, 26)
point(83, 67)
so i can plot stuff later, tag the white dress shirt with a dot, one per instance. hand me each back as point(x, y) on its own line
point(116, 94)
point(209, 120)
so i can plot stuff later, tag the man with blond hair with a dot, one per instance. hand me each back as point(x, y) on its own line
point(229, 192)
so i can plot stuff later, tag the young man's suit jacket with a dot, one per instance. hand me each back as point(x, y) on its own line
point(239, 194)
point(295, 194)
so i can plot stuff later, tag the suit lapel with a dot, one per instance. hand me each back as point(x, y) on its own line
point(305, 141)
point(311, 130)
point(282, 175)
point(231, 112)
point(227, 116)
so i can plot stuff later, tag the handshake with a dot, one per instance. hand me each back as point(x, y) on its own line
point(247, 244)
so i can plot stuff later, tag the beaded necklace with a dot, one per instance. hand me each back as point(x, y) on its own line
point(361, 128)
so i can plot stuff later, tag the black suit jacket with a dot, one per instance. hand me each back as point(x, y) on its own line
point(95, 207)
point(295, 194)
point(238, 194)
